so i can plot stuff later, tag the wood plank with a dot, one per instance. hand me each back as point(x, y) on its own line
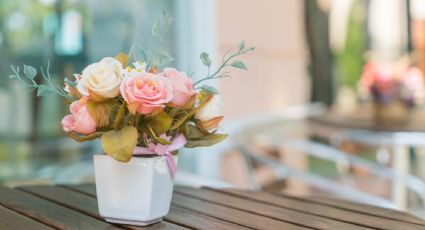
point(198, 220)
point(361, 219)
point(83, 203)
point(361, 208)
point(47, 212)
point(236, 216)
point(260, 208)
point(84, 188)
point(12, 220)
point(179, 215)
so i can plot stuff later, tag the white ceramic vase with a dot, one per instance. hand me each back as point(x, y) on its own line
point(137, 193)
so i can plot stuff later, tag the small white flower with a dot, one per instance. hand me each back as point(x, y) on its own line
point(139, 67)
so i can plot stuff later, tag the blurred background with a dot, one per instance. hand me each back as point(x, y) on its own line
point(297, 120)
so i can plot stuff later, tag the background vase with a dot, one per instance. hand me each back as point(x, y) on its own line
point(393, 113)
point(137, 193)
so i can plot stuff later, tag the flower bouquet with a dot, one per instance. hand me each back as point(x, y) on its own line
point(143, 114)
point(394, 89)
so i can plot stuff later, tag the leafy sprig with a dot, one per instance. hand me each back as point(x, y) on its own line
point(28, 80)
point(158, 56)
point(228, 61)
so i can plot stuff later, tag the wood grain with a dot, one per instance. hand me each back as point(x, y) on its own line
point(178, 215)
point(236, 216)
point(363, 119)
point(12, 220)
point(368, 210)
point(47, 212)
point(75, 207)
point(306, 206)
point(83, 203)
point(198, 220)
point(260, 208)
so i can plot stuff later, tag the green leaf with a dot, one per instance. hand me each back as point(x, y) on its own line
point(120, 144)
point(102, 112)
point(160, 122)
point(241, 45)
point(123, 59)
point(160, 140)
point(70, 83)
point(156, 31)
point(209, 89)
point(13, 77)
point(42, 90)
point(181, 119)
point(205, 58)
point(30, 72)
point(161, 58)
point(167, 19)
point(239, 64)
point(193, 132)
point(207, 140)
point(120, 116)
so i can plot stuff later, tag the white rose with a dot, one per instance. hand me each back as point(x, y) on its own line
point(212, 109)
point(102, 78)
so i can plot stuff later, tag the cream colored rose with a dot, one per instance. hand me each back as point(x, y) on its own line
point(211, 114)
point(102, 78)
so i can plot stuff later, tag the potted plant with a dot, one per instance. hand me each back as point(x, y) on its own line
point(394, 90)
point(143, 114)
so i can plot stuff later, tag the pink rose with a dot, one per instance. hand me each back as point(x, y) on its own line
point(79, 120)
point(146, 92)
point(182, 86)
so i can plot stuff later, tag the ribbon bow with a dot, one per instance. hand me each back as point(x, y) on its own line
point(164, 150)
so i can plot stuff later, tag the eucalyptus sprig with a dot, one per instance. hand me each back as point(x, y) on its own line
point(160, 29)
point(228, 61)
point(29, 81)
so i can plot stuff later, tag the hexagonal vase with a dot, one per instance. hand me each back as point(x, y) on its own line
point(137, 193)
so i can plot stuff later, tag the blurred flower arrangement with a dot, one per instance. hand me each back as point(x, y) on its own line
point(394, 89)
point(137, 108)
point(385, 83)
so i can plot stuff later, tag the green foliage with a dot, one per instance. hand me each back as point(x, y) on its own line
point(241, 45)
point(42, 90)
point(228, 61)
point(30, 72)
point(205, 58)
point(103, 112)
point(160, 140)
point(161, 57)
point(161, 30)
point(160, 123)
point(351, 60)
point(197, 137)
point(123, 59)
point(209, 89)
point(120, 116)
point(29, 81)
point(239, 65)
point(182, 118)
point(120, 144)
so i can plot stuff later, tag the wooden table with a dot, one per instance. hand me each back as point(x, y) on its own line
point(362, 118)
point(75, 207)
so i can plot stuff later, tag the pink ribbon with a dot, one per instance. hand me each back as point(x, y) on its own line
point(164, 150)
